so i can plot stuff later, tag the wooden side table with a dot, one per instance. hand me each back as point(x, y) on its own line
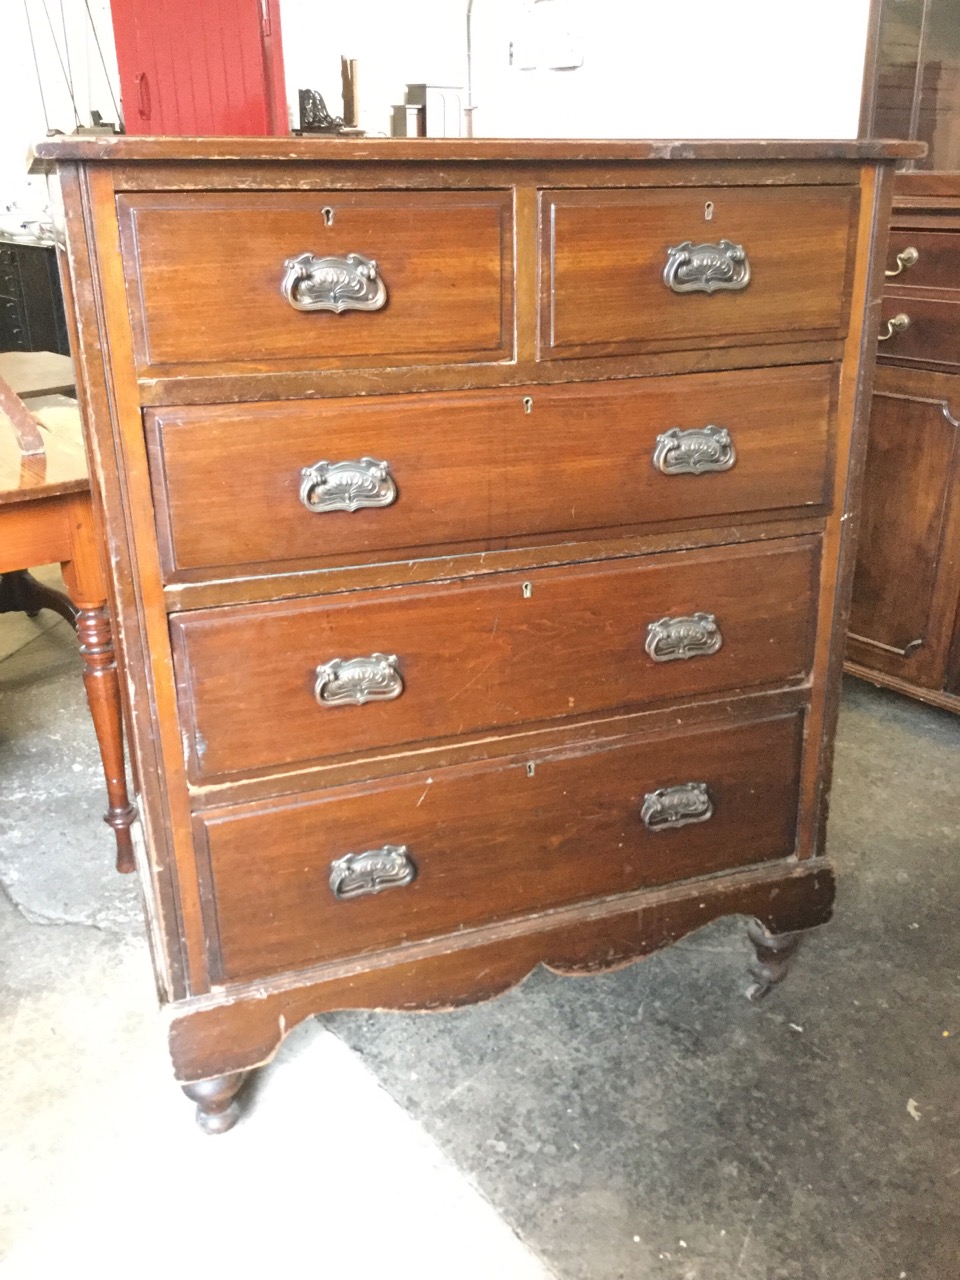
point(46, 515)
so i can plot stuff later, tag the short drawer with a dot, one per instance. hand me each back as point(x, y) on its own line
point(283, 281)
point(635, 271)
point(267, 687)
point(921, 331)
point(256, 487)
point(353, 870)
point(923, 259)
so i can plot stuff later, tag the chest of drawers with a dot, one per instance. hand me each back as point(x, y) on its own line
point(479, 523)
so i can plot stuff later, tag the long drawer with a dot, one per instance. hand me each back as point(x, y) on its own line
point(302, 280)
point(268, 687)
point(633, 271)
point(245, 487)
point(349, 871)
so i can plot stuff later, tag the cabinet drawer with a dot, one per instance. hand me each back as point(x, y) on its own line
point(265, 687)
point(931, 336)
point(933, 264)
point(233, 489)
point(206, 275)
point(606, 256)
point(488, 841)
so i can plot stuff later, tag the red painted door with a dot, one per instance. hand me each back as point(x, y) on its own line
point(200, 67)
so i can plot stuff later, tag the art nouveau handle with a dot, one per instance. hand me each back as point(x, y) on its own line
point(673, 807)
point(908, 257)
point(334, 284)
point(695, 636)
point(694, 452)
point(706, 268)
point(896, 325)
point(347, 486)
point(351, 682)
point(356, 875)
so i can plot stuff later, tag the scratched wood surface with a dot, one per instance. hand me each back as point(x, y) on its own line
point(514, 577)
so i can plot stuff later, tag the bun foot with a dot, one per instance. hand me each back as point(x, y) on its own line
point(774, 951)
point(217, 1106)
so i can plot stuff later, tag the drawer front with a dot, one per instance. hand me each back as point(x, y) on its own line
point(929, 337)
point(217, 282)
point(242, 487)
point(923, 259)
point(267, 687)
point(461, 846)
point(607, 256)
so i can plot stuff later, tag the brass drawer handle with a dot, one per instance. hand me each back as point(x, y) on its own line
point(353, 681)
point(896, 325)
point(694, 452)
point(356, 875)
point(706, 268)
point(908, 257)
point(347, 486)
point(679, 806)
point(696, 636)
point(333, 284)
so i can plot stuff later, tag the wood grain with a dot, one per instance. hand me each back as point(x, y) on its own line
point(204, 273)
point(246, 1023)
point(573, 458)
point(526, 151)
point(490, 654)
point(224, 612)
point(492, 841)
point(605, 253)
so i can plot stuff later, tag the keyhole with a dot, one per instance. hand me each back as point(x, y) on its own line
point(531, 769)
point(528, 404)
point(527, 590)
point(708, 211)
point(327, 215)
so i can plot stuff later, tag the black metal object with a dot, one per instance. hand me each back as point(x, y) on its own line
point(31, 299)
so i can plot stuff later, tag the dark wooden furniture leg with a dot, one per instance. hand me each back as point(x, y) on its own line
point(103, 694)
point(20, 592)
point(217, 1106)
point(774, 951)
point(102, 684)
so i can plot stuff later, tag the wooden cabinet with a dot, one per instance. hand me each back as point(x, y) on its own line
point(905, 616)
point(479, 519)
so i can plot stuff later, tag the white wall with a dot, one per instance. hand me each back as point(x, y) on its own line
point(21, 103)
point(651, 68)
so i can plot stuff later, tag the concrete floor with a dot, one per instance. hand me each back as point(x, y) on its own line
point(648, 1125)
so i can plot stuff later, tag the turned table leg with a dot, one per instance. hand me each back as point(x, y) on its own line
point(774, 954)
point(103, 694)
point(217, 1106)
point(84, 579)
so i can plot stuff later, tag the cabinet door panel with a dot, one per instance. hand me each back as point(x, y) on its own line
point(899, 597)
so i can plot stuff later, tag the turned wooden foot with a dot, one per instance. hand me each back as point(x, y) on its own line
point(774, 954)
point(103, 694)
point(217, 1106)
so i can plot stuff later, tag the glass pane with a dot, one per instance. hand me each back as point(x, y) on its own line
point(938, 123)
point(900, 25)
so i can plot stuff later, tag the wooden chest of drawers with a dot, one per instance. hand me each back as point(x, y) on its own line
point(479, 522)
